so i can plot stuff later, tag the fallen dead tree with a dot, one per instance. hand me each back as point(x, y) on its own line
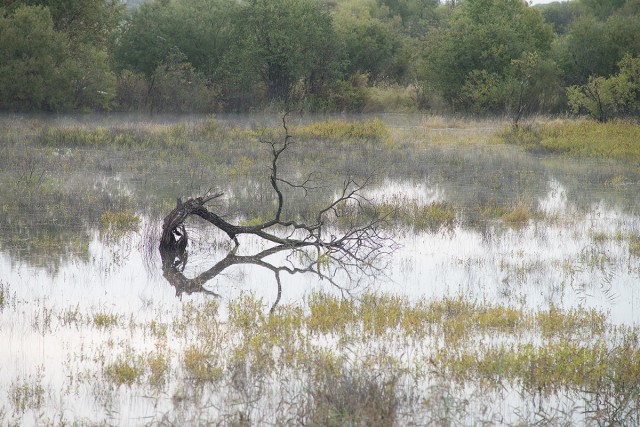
point(357, 243)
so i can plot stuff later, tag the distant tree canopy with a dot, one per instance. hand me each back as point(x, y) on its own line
point(473, 56)
point(470, 59)
point(53, 55)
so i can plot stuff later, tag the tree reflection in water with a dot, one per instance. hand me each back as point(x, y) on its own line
point(325, 265)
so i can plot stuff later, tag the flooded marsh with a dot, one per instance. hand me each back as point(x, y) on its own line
point(509, 293)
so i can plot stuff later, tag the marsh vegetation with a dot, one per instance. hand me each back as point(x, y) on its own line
point(511, 296)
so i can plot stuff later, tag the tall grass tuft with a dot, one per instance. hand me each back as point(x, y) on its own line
point(368, 130)
point(431, 217)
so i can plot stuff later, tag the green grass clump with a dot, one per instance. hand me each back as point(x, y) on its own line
point(201, 365)
point(357, 357)
point(431, 217)
point(434, 217)
point(4, 295)
point(329, 314)
point(556, 322)
point(127, 369)
point(354, 398)
point(122, 221)
point(158, 364)
point(520, 213)
point(615, 139)
point(105, 320)
point(391, 99)
point(368, 130)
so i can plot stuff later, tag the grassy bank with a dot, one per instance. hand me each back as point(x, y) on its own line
point(612, 140)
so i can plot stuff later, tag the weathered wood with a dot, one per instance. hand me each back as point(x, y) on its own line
point(174, 233)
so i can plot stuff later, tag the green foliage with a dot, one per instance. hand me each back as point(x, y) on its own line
point(93, 82)
point(286, 42)
point(177, 87)
point(415, 15)
point(85, 22)
point(560, 15)
point(373, 46)
point(350, 94)
point(594, 48)
point(144, 41)
point(603, 98)
point(156, 29)
point(601, 9)
point(584, 51)
point(45, 69)
point(33, 59)
point(472, 55)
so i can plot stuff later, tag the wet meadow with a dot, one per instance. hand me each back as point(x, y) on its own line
point(507, 291)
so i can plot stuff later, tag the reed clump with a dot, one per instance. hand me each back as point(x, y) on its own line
point(430, 217)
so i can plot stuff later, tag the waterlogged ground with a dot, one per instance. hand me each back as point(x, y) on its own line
point(512, 296)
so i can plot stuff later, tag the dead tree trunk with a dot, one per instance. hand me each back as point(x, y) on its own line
point(174, 234)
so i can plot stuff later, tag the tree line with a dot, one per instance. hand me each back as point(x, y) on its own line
point(487, 57)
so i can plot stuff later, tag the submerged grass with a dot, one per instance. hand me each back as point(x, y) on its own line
point(27, 393)
point(361, 358)
point(520, 213)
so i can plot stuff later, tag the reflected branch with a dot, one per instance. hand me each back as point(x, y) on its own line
point(319, 265)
